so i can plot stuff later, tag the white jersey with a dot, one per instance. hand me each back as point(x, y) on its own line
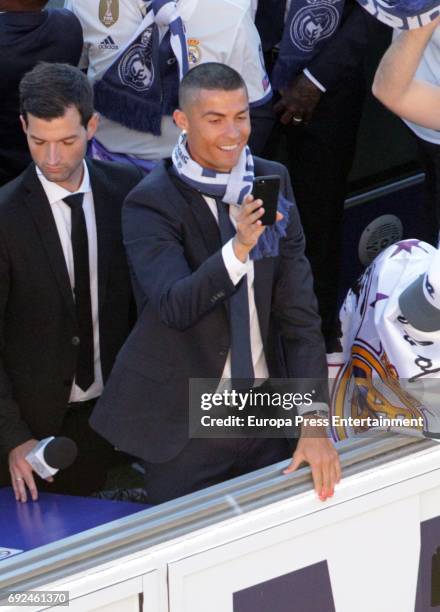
point(387, 368)
point(428, 71)
point(216, 30)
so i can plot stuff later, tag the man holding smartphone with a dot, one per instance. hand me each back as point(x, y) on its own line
point(220, 296)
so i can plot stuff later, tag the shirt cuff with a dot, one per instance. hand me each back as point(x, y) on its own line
point(314, 81)
point(235, 268)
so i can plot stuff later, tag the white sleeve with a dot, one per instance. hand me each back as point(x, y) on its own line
point(235, 268)
point(314, 80)
point(247, 58)
point(254, 8)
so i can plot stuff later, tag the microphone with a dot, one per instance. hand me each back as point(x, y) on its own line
point(52, 454)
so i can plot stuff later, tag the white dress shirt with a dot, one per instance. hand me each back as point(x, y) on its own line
point(236, 270)
point(62, 216)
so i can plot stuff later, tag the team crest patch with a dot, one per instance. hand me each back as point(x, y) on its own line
point(136, 69)
point(194, 53)
point(316, 21)
point(108, 12)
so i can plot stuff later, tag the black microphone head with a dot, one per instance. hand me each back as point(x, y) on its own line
point(60, 452)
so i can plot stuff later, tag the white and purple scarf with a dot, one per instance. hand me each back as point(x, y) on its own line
point(141, 86)
point(232, 188)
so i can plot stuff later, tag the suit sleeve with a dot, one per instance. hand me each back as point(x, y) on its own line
point(153, 238)
point(295, 307)
point(13, 430)
point(344, 52)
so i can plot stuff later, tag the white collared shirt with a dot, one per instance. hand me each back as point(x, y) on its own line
point(236, 270)
point(62, 216)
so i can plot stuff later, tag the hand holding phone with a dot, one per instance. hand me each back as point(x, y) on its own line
point(267, 188)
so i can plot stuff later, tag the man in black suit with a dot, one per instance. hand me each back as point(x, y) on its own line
point(320, 97)
point(65, 295)
point(189, 290)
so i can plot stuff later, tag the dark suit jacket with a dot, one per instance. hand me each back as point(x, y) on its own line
point(182, 289)
point(342, 57)
point(37, 313)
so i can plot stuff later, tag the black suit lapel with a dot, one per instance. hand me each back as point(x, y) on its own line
point(207, 224)
point(205, 220)
point(37, 203)
point(105, 225)
point(200, 210)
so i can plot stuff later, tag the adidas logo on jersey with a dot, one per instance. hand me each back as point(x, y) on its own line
point(108, 43)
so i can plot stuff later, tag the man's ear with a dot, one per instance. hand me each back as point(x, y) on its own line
point(92, 126)
point(23, 124)
point(180, 119)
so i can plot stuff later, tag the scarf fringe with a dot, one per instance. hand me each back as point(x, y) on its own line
point(268, 244)
point(134, 113)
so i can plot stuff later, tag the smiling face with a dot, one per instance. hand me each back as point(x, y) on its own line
point(58, 146)
point(217, 125)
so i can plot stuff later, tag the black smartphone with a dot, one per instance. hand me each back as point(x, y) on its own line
point(267, 188)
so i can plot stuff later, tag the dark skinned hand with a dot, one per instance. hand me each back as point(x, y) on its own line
point(299, 100)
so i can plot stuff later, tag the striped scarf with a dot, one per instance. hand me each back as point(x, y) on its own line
point(232, 188)
point(141, 86)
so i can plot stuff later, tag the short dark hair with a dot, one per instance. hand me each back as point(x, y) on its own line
point(49, 89)
point(211, 75)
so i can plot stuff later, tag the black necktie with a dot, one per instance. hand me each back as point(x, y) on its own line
point(241, 355)
point(85, 374)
